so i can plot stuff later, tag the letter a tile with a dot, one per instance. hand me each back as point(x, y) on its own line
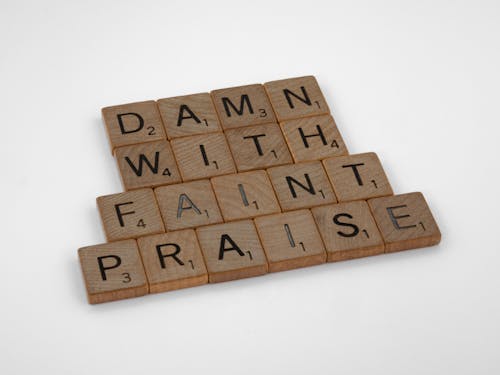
point(147, 165)
point(232, 251)
point(172, 261)
point(113, 271)
point(290, 240)
point(405, 221)
point(130, 214)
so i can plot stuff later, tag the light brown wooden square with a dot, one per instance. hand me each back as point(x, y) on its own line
point(147, 165)
point(133, 123)
point(359, 176)
point(348, 230)
point(130, 214)
point(405, 221)
point(243, 106)
point(188, 115)
point(188, 205)
point(232, 251)
point(301, 185)
point(313, 138)
point(259, 146)
point(112, 271)
point(172, 261)
point(245, 195)
point(203, 156)
point(296, 97)
point(290, 240)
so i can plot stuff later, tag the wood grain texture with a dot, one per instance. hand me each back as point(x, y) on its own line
point(232, 251)
point(112, 271)
point(243, 106)
point(172, 261)
point(259, 146)
point(313, 138)
point(301, 185)
point(132, 123)
point(188, 205)
point(405, 221)
point(290, 240)
point(296, 98)
point(147, 165)
point(358, 176)
point(188, 115)
point(130, 214)
point(348, 230)
point(245, 195)
point(203, 156)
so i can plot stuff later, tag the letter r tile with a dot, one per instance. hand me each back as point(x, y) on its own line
point(113, 271)
point(132, 123)
point(232, 251)
point(405, 221)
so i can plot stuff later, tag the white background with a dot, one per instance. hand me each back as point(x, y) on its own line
point(416, 82)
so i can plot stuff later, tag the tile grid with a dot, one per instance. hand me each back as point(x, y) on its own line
point(309, 210)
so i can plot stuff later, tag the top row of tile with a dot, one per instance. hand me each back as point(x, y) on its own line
point(202, 113)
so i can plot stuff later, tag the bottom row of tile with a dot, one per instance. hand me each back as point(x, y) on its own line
point(239, 249)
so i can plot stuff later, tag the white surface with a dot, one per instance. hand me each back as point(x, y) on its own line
point(418, 83)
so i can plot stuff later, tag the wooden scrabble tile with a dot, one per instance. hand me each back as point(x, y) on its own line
point(172, 261)
point(313, 138)
point(203, 156)
point(130, 214)
point(243, 106)
point(188, 115)
point(296, 97)
point(359, 176)
point(188, 205)
point(348, 230)
point(133, 123)
point(290, 240)
point(113, 271)
point(245, 195)
point(301, 185)
point(405, 221)
point(147, 165)
point(259, 146)
point(232, 251)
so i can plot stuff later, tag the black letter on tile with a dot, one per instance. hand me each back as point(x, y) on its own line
point(162, 256)
point(256, 142)
point(121, 214)
point(244, 100)
point(309, 188)
point(122, 125)
point(222, 249)
point(394, 219)
point(305, 99)
point(355, 229)
point(143, 159)
point(355, 171)
point(103, 269)
point(185, 108)
point(318, 134)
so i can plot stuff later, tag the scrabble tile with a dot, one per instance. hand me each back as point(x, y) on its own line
point(172, 261)
point(259, 146)
point(188, 205)
point(112, 271)
point(133, 123)
point(313, 138)
point(188, 115)
point(405, 221)
point(348, 230)
point(203, 156)
point(130, 214)
point(290, 240)
point(301, 185)
point(147, 165)
point(359, 176)
point(296, 97)
point(232, 251)
point(243, 106)
point(245, 195)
